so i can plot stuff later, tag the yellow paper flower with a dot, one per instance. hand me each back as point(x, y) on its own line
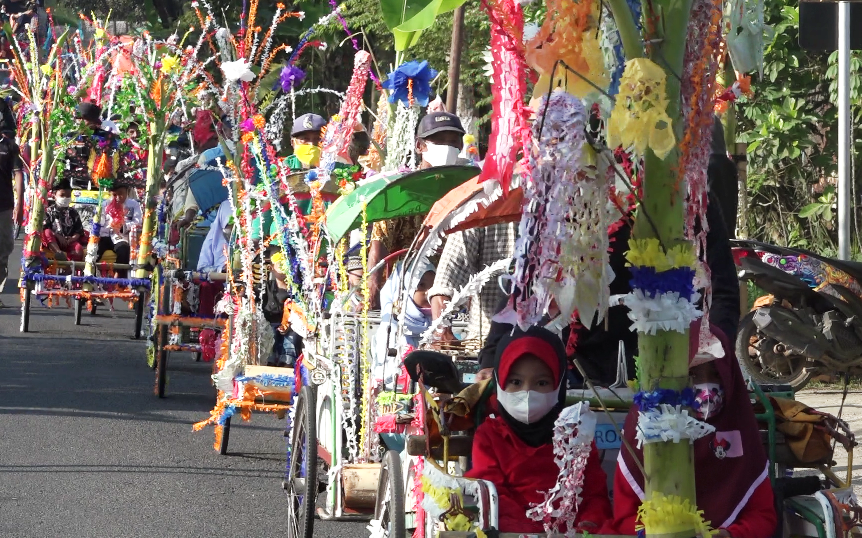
point(169, 64)
point(99, 33)
point(671, 515)
point(640, 117)
point(648, 253)
point(46, 70)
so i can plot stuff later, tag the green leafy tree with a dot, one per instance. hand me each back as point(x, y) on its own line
point(790, 128)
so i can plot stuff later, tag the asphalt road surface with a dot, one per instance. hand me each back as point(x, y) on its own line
point(87, 450)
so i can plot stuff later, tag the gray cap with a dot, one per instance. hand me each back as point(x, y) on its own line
point(437, 122)
point(307, 123)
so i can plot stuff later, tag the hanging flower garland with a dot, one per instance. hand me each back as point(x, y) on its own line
point(574, 431)
point(510, 125)
point(568, 33)
point(639, 117)
point(338, 135)
point(562, 249)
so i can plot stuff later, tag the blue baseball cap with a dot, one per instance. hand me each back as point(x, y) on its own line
point(307, 123)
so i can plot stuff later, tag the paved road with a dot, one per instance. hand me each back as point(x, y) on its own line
point(87, 450)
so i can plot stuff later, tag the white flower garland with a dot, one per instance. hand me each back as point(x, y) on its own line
point(574, 431)
point(665, 312)
point(669, 424)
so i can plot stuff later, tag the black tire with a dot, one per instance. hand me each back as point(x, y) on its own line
point(25, 311)
point(161, 362)
point(139, 313)
point(754, 351)
point(198, 356)
point(79, 309)
point(225, 437)
point(389, 508)
point(301, 481)
point(93, 307)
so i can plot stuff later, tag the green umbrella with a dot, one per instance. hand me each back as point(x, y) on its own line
point(394, 196)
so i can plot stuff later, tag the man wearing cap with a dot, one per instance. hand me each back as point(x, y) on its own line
point(11, 174)
point(305, 136)
point(78, 170)
point(439, 140)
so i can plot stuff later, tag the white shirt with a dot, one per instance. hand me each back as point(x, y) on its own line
point(133, 218)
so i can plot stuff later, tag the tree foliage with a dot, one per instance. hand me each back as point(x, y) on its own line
point(790, 126)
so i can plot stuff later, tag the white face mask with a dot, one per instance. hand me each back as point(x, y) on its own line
point(527, 406)
point(440, 155)
point(62, 201)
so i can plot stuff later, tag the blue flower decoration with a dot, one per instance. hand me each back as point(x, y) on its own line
point(291, 77)
point(399, 83)
point(679, 280)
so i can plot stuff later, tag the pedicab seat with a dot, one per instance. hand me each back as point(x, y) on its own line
point(459, 446)
point(270, 381)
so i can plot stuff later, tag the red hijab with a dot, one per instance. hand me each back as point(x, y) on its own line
point(728, 464)
point(548, 347)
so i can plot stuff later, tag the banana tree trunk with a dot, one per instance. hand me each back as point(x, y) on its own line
point(39, 192)
point(663, 357)
point(154, 175)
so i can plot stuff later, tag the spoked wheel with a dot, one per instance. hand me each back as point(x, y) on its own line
point(79, 309)
point(225, 437)
point(389, 510)
point(301, 481)
point(161, 361)
point(767, 360)
point(25, 311)
point(139, 313)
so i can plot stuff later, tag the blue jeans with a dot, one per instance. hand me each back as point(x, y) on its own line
point(287, 347)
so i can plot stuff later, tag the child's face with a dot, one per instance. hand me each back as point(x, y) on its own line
point(420, 296)
point(62, 193)
point(121, 194)
point(530, 373)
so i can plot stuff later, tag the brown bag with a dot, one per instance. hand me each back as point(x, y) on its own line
point(809, 433)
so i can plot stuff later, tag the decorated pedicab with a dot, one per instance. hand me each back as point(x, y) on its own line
point(141, 74)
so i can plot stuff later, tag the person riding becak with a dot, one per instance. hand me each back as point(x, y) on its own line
point(305, 136)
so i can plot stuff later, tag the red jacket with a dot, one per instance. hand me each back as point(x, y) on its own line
point(522, 474)
point(757, 519)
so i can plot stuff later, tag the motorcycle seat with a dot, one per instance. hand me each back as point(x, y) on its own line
point(852, 268)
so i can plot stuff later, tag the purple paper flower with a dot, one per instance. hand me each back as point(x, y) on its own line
point(399, 83)
point(291, 77)
point(157, 66)
point(247, 126)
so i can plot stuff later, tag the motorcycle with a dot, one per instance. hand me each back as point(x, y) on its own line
point(810, 321)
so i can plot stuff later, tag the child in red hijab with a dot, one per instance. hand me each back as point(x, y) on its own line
point(515, 451)
point(730, 465)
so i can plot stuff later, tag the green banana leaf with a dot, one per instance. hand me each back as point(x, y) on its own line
point(406, 19)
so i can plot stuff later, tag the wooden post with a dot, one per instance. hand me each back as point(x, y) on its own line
point(455, 59)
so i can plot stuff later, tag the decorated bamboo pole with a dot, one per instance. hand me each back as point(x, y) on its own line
point(154, 177)
point(663, 357)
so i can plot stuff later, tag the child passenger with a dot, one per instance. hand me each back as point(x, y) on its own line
point(514, 450)
point(730, 466)
point(63, 232)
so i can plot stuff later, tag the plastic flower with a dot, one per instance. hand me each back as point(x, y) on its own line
point(258, 121)
point(247, 126)
point(291, 77)
point(169, 64)
point(46, 69)
point(237, 71)
point(412, 80)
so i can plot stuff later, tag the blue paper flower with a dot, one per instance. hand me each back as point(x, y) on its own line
point(400, 86)
point(291, 77)
point(679, 280)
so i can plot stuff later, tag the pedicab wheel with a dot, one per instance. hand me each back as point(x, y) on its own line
point(93, 307)
point(79, 309)
point(139, 315)
point(25, 311)
point(301, 481)
point(225, 437)
point(161, 361)
point(389, 508)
